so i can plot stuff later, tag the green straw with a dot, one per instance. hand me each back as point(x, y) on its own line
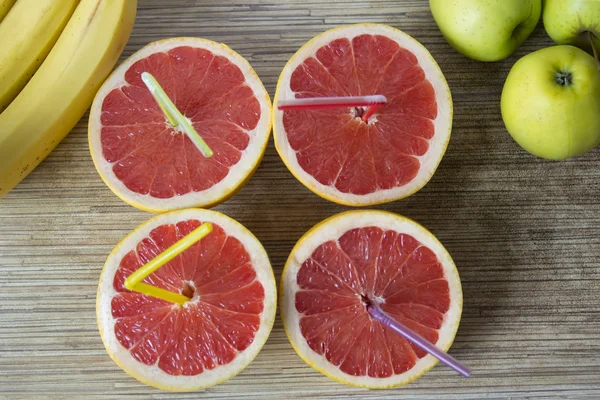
point(173, 115)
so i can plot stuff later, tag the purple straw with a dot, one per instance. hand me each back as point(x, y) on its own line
point(418, 340)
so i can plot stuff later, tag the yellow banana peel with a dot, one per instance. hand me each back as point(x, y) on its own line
point(63, 87)
point(27, 35)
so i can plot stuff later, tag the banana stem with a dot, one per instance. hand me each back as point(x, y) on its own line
point(173, 115)
point(591, 35)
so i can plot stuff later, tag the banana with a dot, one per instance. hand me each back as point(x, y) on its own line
point(27, 35)
point(63, 87)
point(5, 6)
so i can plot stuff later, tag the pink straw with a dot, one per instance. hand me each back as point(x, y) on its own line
point(373, 102)
point(371, 111)
point(417, 339)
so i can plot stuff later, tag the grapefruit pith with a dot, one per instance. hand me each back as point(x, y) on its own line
point(358, 257)
point(154, 166)
point(212, 337)
point(334, 152)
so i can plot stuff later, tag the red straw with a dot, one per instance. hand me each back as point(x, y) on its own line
point(417, 339)
point(371, 111)
point(373, 102)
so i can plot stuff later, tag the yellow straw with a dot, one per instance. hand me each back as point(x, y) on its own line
point(134, 281)
point(160, 293)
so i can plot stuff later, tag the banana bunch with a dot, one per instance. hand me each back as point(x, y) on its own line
point(78, 60)
point(5, 6)
point(39, 24)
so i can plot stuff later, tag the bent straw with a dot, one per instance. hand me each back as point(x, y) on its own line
point(173, 115)
point(373, 102)
point(371, 111)
point(134, 281)
point(417, 339)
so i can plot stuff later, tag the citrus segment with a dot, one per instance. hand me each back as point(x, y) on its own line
point(337, 154)
point(154, 165)
point(363, 257)
point(215, 334)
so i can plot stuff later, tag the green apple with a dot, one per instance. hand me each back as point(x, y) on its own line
point(486, 30)
point(551, 102)
point(575, 22)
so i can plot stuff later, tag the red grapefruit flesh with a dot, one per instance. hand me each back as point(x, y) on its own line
point(337, 154)
point(360, 257)
point(155, 166)
point(211, 337)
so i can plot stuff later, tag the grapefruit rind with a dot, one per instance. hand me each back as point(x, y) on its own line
point(238, 175)
point(331, 229)
point(152, 375)
point(443, 122)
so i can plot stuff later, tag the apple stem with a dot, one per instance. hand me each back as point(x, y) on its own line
point(594, 49)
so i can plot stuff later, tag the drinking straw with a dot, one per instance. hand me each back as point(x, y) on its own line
point(417, 339)
point(134, 281)
point(173, 115)
point(371, 111)
point(373, 102)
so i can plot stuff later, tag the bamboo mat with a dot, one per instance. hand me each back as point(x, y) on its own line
point(523, 232)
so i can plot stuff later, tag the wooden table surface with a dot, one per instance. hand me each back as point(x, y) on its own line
point(523, 232)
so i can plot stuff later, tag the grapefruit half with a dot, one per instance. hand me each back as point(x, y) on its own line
point(213, 336)
point(369, 256)
point(152, 165)
point(337, 155)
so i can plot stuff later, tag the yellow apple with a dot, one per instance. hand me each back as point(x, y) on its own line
point(486, 30)
point(551, 102)
point(575, 22)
